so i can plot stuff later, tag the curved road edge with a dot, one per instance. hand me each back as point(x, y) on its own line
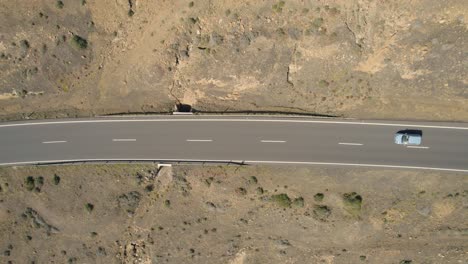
point(227, 162)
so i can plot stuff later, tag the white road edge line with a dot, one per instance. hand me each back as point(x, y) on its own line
point(273, 141)
point(199, 140)
point(244, 162)
point(123, 139)
point(417, 147)
point(350, 144)
point(54, 142)
point(231, 120)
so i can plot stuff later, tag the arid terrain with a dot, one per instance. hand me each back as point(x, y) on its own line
point(231, 214)
point(352, 58)
point(365, 59)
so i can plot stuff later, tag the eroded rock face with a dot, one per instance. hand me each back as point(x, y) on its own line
point(353, 58)
point(134, 253)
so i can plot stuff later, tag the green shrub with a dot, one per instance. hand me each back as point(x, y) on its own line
point(259, 190)
point(209, 181)
point(60, 4)
point(40, 181)
point(89, 207)
point(80, 42)
point(317, 22)
point(149, 188)
point(279, 6)
point(241, 191)
point(322, 212)
point(191, 4)
point(323, 83)
point(352, 202)
point(282, 200)
point(56, 179)
point(318, 197)
point(298, 202)
point(30, 183)
point(253, 180)
point(25, 44)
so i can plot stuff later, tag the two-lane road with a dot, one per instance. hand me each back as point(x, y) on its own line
point(249, 139)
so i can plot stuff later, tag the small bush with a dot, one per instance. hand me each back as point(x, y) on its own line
point(282, 200)
point(40, 181)
point(317, 22)
point(60, 4)
point(253, 180)
point(406, 261)
point(352, 202)
point(241, 191)
point(362, 257)
point(89, 207)
point(80, 42)
point(259, 190)
point(298, 202)
point(193, 20)
point(25, 44)
point(323, 83)
point(322, 212)
point(279, 6)
point(191, 4)
point(131, 12)
point(334, 11)
point(56, 179)
point(30, 183)
point(167, 203)
point(209, 181)
point(149, 187)
point(318, 197)
point(44, 48)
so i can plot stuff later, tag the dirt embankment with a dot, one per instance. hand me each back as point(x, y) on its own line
point(368, 59)
point(220, 214)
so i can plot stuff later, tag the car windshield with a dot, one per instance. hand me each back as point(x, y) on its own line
point(405, 138)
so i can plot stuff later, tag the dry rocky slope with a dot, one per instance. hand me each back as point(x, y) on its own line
point(368, 59)
point(229, 214)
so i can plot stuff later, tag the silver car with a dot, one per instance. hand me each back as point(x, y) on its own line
point(408, 137)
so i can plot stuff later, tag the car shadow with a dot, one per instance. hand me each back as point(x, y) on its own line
point(411, 131)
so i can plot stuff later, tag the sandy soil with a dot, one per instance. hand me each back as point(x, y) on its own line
point(229, 214)
point(354, 58)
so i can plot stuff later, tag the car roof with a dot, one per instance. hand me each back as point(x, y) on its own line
point(412, 137)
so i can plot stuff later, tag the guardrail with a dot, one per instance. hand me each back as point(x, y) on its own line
point(160, 162)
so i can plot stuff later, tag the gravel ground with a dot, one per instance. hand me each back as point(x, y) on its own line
point(230, 214)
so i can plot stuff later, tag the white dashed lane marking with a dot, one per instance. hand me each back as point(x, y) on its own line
point(54, 142)
point(123, 139)
point(350, 144)
point(417, 147)
point(273, 141)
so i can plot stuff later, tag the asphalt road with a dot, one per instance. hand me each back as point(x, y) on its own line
point(248, 139)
